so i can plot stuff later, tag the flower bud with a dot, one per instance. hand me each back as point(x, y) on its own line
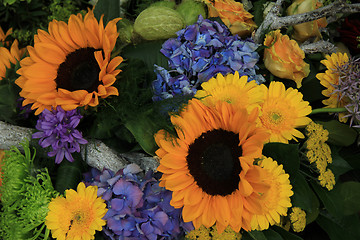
point(284, 58)
point(306, 30)
point(233, 14)
point(158, 23)
point(190, 11)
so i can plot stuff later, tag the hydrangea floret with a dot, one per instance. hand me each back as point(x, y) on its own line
point(199, 52)
point(138, 207)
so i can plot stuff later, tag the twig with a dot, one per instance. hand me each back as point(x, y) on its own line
point(274, 21)
point(320, 46)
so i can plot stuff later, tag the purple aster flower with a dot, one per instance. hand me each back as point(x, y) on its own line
point(200, 52)
point(57, 130)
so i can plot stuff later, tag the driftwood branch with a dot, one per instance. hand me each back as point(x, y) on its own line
point(95, 153)
point(319, 46)
point(274, 21)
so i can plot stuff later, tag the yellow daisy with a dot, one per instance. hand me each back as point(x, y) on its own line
point(76, 216)
point(277, 200)
point(330, 79)
point(209, 165)
point(70, 65)
point(232, 89)
point(283, 111)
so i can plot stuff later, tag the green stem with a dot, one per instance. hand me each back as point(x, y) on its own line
point(328, 110)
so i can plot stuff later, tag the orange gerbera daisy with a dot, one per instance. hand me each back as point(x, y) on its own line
point(330, 79)
point(209, 165)
point(70, 65)
point(284, 110)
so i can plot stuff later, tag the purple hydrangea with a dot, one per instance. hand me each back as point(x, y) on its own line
point(138, 207)
point(199, 52)
point(57, 130)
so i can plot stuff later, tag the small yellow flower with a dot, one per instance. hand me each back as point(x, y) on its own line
point(327, 179)
point(200, 233)
point(76, 216)
point(298, 219)
point(227, 234)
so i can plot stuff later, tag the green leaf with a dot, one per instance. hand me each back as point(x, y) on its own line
point(272, 235)
point(69, 174)
point(255, 235)
point(143, 128)
point(110, 8)
point(334, 230)
point(285, 154)
point(305, 198)
point(149, 52)
point(332, 200)
point(339, 133)
point(350, 194)
point(338, 166)
point(311, 87)
point(286, 234)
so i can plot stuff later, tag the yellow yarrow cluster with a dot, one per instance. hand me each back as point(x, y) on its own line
point(212, 233)
point(298, 219)
point(319, 153)
point(327, 179)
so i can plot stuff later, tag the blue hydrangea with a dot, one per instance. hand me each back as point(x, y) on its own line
point(138, 207)
point(199, 52)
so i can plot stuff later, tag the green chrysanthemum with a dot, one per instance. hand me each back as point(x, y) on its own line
point(25, 197)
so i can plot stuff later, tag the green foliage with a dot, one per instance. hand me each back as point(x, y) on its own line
point(62, 9)
point(285, 154)
point(69, 174)
point(305, 198)
point(26, 193)
point(109, 8)
point(340, 134)
point(337, 229)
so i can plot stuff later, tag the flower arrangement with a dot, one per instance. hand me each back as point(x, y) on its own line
point(192, 119)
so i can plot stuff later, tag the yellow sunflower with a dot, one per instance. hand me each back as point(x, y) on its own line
point(78, 215)
point(283, 111)
point(277, 199)
point(7, 57)
point(330, 79)
point(70, 65)
point(209, 165)
point(232, 89)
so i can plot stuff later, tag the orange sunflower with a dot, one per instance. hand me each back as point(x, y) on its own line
point(7, 57)
point(209, 165)
point(283, 111)
point(330, 79)
point(70, 65)
point(3, 35)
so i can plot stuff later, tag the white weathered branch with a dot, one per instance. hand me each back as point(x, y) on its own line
point(95, 153)
point(319, 46)
point(274, 21)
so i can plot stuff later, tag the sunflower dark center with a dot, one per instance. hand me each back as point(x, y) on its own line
point(79, 71)
point(213, 161)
